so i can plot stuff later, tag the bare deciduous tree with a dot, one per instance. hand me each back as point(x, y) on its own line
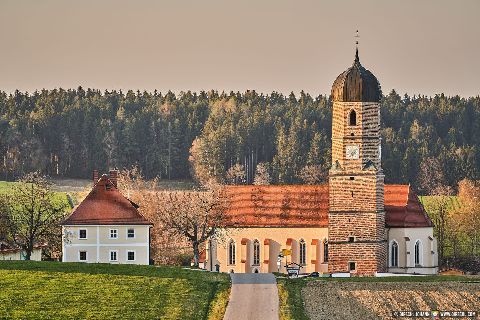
point(197, 215)
point(313, 174)
point(431, 176)
point(236, 174)
point(166, 247)
point(262, 174)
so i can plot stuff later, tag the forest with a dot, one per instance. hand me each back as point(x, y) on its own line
point(68, 133)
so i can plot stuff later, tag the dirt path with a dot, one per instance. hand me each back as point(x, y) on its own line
point(253, 296)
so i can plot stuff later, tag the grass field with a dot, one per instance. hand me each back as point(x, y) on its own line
point(428, 201)
point(54, 290)
point(6, 186)
point(59, 196)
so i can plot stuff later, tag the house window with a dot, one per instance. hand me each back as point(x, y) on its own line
point(352, 118)
point(82, 234)
point(82, 255)
point(256, 253)
point(130, 255)
point(352, 266)
point(113, 255)
point(351, 239)
point(113, 233)
point(231, 252)
point(303, 252)
point(418, 250)
point(325, 250)
point(394, 254)
point(131, 233)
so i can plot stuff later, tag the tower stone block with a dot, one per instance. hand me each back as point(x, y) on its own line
point(356, 234)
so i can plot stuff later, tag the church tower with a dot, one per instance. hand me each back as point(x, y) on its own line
point(356, 218)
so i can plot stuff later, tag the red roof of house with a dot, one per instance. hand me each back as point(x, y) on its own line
point(105, 205)
point(307, 206)
point(202, 257)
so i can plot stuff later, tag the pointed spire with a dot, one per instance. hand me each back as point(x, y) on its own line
point(357, 59)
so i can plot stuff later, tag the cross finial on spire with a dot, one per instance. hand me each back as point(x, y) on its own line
point(357, 59)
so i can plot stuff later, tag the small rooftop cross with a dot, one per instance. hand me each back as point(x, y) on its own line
point(357, 36)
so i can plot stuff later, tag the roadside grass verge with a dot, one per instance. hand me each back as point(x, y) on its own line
point(219, 301)
point(291, 302)
point(58, 290)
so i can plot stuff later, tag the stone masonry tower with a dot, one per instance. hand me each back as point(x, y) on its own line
point(356, 218)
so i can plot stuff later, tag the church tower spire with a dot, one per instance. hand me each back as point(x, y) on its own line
point(356, 232)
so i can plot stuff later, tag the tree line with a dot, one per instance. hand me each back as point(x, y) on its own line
point(68, 133)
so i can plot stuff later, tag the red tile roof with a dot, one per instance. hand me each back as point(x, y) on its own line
point(307, 206)
point(278, 206)
point(403, 208)
point(202, 257)
point(105, 205)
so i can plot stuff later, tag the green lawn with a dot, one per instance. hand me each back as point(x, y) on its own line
point(6, 186)
point(291, 300)
point(62, 197)
point(41, 290)
point(428, 201)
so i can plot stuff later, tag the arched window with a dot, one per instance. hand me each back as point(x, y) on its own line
point(231, 252)
point(325, 250)
point(418, 252)
point(303, 252)
point(352, 118)
point(394, 254)
point(256, 253)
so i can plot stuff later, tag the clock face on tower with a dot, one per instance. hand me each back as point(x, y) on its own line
point(352, 152)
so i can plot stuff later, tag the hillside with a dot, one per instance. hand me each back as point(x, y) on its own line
point(68, 133)
point(101, 291)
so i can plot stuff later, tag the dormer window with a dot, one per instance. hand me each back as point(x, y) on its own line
point(352, 118)
point(108, 186)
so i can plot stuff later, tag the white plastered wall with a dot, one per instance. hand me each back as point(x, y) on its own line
point(98, 244)
point(277, 239)
point(36, 255)
point(406, 239)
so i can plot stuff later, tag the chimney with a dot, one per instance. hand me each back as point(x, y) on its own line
point(95, 177)
point(113, 177)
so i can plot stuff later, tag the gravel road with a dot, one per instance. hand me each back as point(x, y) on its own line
point(253, 296)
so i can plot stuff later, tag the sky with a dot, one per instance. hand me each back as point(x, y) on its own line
point(413, 46)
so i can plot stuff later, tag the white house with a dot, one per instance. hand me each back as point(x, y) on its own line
point(106, 227)
point(12, 252)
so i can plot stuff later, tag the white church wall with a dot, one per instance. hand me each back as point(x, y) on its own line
point(406, 239)
point(277, 239)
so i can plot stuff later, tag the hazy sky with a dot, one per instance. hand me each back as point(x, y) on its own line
point(414, 46)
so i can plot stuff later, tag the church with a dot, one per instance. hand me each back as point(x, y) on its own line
point(353, 226)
